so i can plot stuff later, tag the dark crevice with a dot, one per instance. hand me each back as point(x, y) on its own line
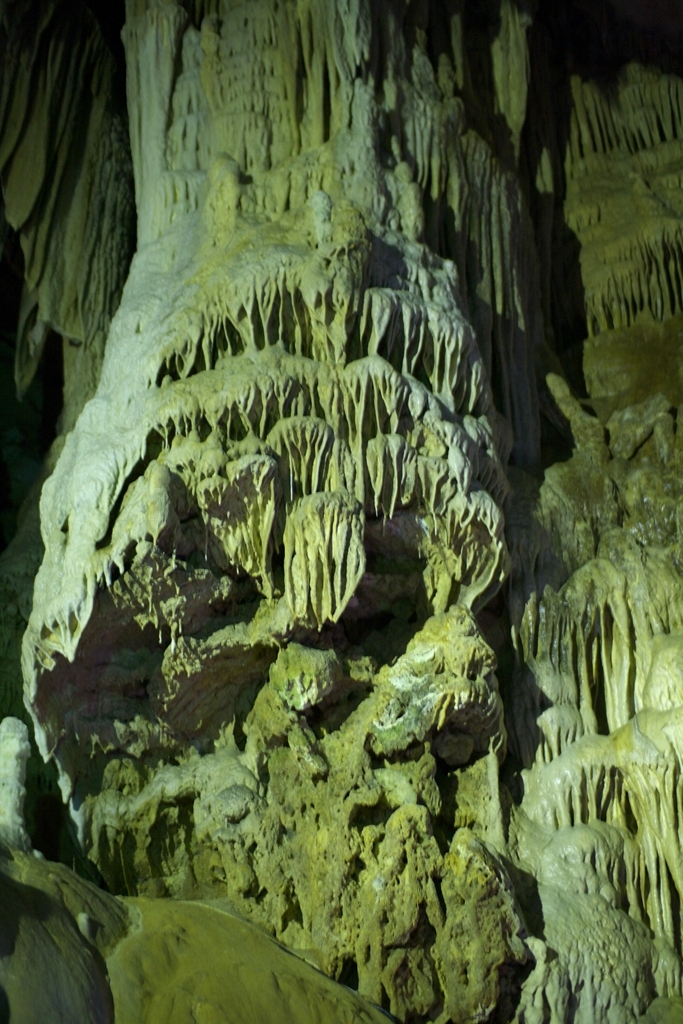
point(349, 974)
point(326, 102)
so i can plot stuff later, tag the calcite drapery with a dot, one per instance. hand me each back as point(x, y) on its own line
point(294, 450)
point(595, 712)
point(66, 186)
point(273, 534)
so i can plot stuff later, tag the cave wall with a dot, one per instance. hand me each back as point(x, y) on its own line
point(319, 632)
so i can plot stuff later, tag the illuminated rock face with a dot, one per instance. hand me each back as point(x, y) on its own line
point(253, 646)
point(624, 167)
point(624, 164)
point(275, 531)
point(594, 714)
point(14, 752)
point(596, 604)
point(594, 711)
point(103, 959)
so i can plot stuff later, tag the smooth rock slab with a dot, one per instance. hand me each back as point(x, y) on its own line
point(188, 963)
point(73, 954)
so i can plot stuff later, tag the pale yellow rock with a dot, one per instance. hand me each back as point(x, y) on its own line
point(55, 930)
point(623, 367)
point(596, 717)
point(14, 752)
point(72, 952)
point(324, 556)
point(662, 688)
point(307, 831)
point(664, 1011)
point(629, 428)
point(185, 963)
point(624, 164)
point(587, 431)
point(253, 651)
point(511, 68)
point(303, 676)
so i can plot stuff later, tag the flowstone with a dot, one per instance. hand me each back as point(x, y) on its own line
point(71, 952)
point(323, 830)
point(595, 714)
point(253, 653)
point(66, 186)
point(624, 162)
point(286, 557)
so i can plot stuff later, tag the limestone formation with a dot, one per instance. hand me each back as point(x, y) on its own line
point(71, 952)
point(329, 655)
point(293, 435)
point(14, 752)
point(595, 595)
point(65, 172)
point(594, 714)
point(628, 146)
point(68, 207)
